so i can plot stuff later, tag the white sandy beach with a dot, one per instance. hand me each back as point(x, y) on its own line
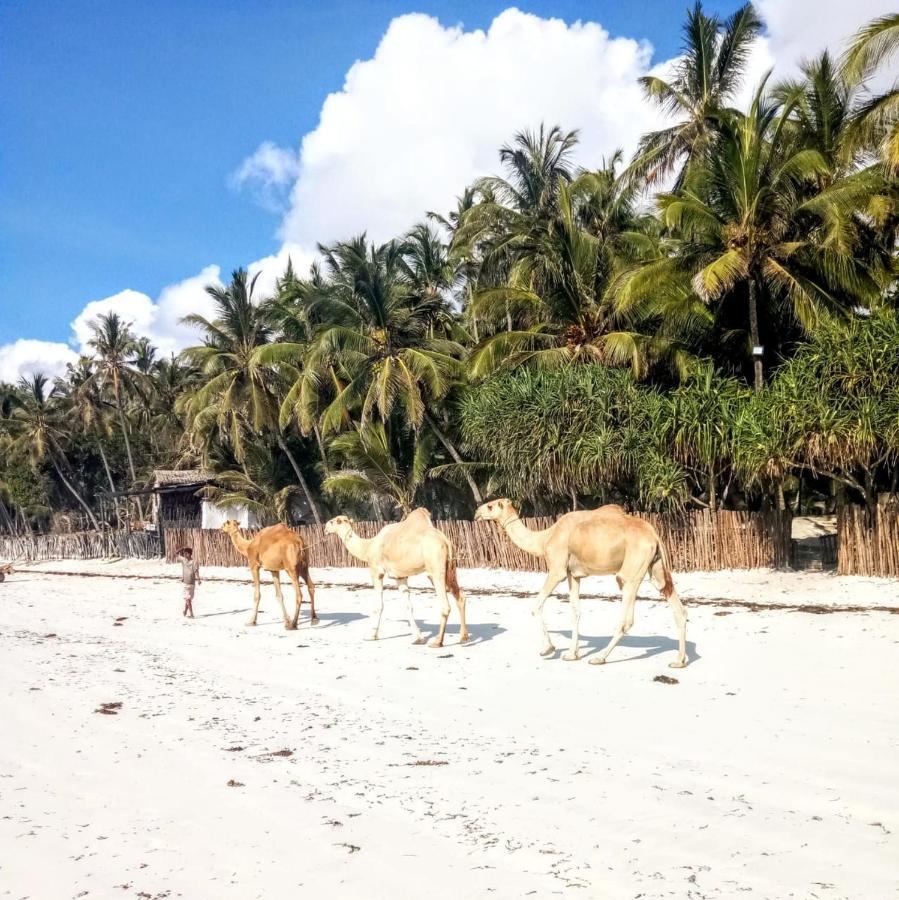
point(769, 770)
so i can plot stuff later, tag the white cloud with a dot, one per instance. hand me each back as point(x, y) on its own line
point(26, 357)
point(271, 268)
point(160, 320)
point(802, 29)
point(268, 173)
point(426, 115)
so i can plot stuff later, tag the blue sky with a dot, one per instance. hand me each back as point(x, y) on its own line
point(122, 123)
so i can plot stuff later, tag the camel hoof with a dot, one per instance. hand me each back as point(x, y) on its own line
point(421, 639)
point(571, 657)
point(598, 661)
point(290, 626)
point(548, 651)
point(464, 638)
point(371, 637)
point(435, 643)
point(251, 622)
point(314, 620)
point(680, 664)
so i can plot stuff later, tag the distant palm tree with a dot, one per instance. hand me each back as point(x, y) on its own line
point(79, 395)
point(244, 387)
point(114, 347)
point(706, 78)
point(40, 427)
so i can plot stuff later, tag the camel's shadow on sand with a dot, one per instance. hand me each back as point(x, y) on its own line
point(652, 645)
point(481, 633)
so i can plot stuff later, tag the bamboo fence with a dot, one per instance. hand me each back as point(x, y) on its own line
point(82, 545)
point(868, 542)
point(696, 541)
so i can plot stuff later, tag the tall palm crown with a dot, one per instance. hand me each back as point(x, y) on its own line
point(755, 228)
point(705, 80)
point(558, 263)
point(876, 122)
point(244, 387)
point(376, 338)
point(114, 349)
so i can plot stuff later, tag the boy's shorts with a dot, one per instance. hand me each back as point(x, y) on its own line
point(188, 592)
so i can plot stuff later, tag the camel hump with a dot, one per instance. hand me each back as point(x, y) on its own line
point(419, 515)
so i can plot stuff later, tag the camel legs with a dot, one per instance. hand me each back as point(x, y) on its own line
point(460, 604)
point(403, 586)
point(680, 614)
point(628, 600)
point(378, 606)
point(303, 572)
point(553, 579)
point(257, 593)
point(574, 596)
point(276, 578)
point(298, 597)
point(440, 586)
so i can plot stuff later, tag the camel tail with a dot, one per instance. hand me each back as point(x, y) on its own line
point(452, 580)
point(667, 588)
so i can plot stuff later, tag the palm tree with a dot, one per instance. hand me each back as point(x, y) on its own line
point(243, 387)
point(39, 427)
point(79, 395)
point(376, 347)
point(371, 467)
point(559, 279)
point(706, 78)
point(256, 485)
point(754, 227)
point(876, 122)
point(114, 346)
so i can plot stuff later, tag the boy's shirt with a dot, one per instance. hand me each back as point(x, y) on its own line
point(190, 570)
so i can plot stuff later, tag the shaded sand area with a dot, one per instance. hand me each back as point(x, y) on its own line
point(146, 756)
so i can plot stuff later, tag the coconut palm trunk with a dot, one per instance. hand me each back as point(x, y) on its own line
point(296, 468)
point(758, 372)
point(123, 424)
point(112, 490)
point(321, 449)
point(454, 453)
point(73, 490)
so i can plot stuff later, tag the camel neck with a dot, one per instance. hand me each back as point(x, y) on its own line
point(533, 542)
point(242, 545)
point(357, 546)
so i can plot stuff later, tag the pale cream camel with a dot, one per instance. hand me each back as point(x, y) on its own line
point(399, 551)
point(604, 541)
point(273, 549)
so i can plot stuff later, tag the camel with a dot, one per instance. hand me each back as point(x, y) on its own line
point(604, 541)
point(273, 549)
point(399, 551)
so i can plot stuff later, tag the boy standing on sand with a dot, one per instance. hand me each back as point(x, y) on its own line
point(190, 578)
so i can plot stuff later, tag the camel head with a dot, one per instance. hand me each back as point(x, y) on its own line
point(501, 511)
point(340, 525)
point(232, 526)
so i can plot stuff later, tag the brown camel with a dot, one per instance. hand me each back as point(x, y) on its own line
point(399, 551)
point(604, 541)
point(274, 549)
